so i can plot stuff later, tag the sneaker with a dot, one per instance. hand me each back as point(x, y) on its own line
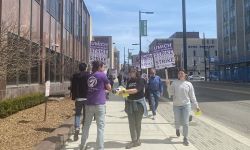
point(178, 132)
point(185, 142)
point(137, 143)
point(76, 134)
point(130, 145)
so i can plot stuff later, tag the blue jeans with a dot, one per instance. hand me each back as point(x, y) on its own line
point(154, 98)
point(99, 112)
point(79, 108)
point(181, 117)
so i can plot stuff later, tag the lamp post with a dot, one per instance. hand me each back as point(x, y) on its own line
point(184, 33)
point(205, 55)
point(141, 12)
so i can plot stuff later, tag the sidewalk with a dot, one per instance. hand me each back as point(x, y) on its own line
point(157, 134)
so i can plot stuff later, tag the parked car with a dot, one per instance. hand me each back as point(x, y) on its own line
point(214, 78)
point(196, 78)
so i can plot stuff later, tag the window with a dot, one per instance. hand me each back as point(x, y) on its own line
point(69, 15)
point(194, 52)
point(248, 46)
point(35, 22)
point(216, 53)
point(38, 1)
point(54, 9)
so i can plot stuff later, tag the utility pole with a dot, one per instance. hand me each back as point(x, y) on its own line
point(124, 57)
point(184, 34)
point(205, 55)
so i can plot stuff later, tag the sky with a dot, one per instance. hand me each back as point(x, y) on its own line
point(120, 19)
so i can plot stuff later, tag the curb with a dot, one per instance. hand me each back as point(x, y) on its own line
point(57, 139)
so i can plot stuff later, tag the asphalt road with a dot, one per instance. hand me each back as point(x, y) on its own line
point(226, 103)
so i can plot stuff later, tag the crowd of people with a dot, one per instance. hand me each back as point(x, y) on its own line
point(89, 90)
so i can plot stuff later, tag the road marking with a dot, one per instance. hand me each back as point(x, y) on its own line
point(234, 135)
point(236, 91)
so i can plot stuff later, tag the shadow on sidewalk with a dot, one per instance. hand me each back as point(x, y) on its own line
point(159, 141)
point(108, 145)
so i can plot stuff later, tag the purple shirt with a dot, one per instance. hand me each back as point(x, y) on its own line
point(96, 88)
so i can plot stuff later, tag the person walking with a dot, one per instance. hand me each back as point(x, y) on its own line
point(135, 107)
point(79, 88)
point(155, 88)
point(183, 94)
point(98, 83)
point(119, 79)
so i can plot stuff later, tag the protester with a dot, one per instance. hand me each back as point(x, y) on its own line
point(155, 88)
point(135, 107)
point(95, 104)
point(183, 94)
point(119, 79)
point(79, 88)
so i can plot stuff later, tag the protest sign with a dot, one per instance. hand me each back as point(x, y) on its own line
point(147, 61)
point(163, 54)
point(98, 51)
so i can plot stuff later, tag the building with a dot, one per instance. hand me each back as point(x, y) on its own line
point(107, 39)
point(117, 59)
point(233, 31)
point(58, 32)
point(195, 53)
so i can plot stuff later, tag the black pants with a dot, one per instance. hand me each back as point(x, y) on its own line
point(134, 120)
point(79, 108)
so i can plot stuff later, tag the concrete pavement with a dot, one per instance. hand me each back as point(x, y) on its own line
point(207, 134)
point(157, 134)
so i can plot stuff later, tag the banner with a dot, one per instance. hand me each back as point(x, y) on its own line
point(98, 51)
point(163, 54)
point(143, 27)
point(147, 61)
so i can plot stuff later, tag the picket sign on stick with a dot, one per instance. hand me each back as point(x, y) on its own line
point(166, 73)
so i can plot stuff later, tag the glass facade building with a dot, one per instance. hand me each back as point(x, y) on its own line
point(233, 31)
point(58, 34)
point(59, 28)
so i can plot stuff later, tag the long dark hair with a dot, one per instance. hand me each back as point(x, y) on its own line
point(95, 65)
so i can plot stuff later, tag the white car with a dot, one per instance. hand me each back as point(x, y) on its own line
point(196, 78)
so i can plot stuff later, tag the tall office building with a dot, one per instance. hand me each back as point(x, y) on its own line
point(56, 32)
point(233, 31)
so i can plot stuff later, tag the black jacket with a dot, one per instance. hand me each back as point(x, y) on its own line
point(79, 85)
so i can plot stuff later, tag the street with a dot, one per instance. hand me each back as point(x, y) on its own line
point(226, 103)
point(225, 108)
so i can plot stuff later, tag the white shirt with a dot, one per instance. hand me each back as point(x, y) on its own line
point(81, 99)
point(182, 92)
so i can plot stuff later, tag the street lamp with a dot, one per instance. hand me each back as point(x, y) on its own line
point(184, 34)
point(141, 12)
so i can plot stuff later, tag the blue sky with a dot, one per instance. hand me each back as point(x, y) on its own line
point(119, 19)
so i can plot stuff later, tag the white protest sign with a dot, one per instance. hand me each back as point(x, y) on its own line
point(147, 61)
point(164, 55)
point(98, 51)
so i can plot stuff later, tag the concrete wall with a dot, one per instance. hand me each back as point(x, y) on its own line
point(55, 89)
